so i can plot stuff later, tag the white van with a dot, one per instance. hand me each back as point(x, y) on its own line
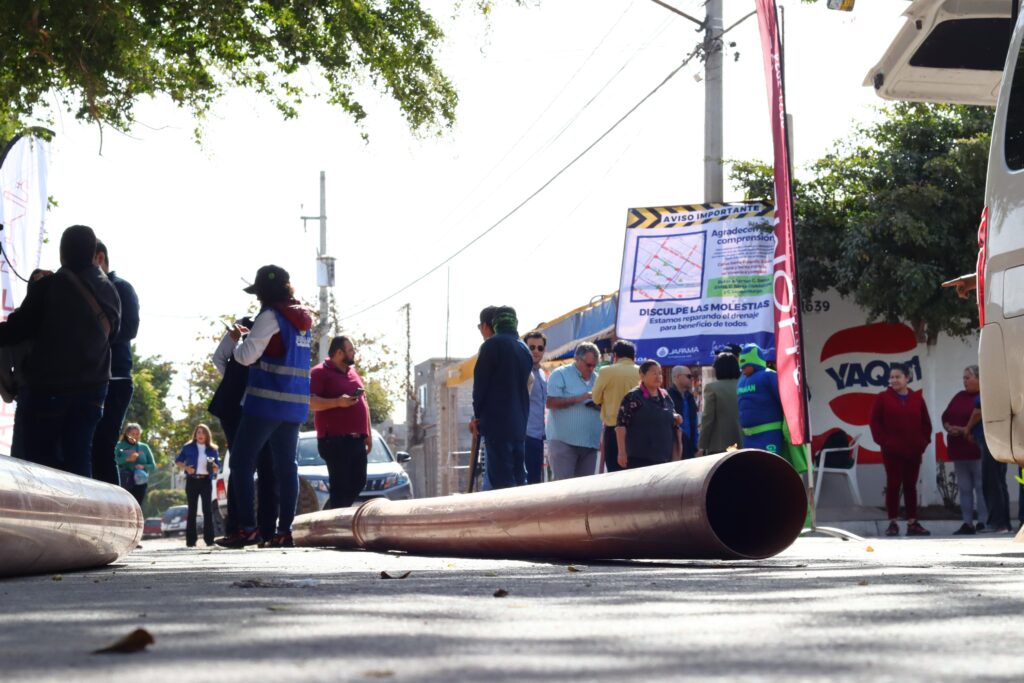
point(969, 52)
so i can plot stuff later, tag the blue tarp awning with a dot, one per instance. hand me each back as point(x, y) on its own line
point(594, 322)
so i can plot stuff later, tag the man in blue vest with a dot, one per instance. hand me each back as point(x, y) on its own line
point(276, 402)
point(759, 404)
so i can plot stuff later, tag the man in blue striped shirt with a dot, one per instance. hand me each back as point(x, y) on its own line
point(574, 423)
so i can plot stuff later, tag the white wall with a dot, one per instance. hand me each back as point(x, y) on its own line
point(856, 369)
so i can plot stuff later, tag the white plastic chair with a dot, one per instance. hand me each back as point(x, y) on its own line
point(849, 472)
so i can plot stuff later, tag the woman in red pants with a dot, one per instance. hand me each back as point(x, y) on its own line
point(901, 426)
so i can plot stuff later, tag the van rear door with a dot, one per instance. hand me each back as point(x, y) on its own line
point(949, 51)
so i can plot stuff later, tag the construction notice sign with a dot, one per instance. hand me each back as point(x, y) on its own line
point(695, 278)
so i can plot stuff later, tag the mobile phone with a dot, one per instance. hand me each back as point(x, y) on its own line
point(359, 391)
point(590, 404)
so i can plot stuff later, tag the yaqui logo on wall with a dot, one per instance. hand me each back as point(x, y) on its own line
point(857, 361)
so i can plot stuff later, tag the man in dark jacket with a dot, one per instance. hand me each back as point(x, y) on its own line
point(501, 400)
point(120, 389)
point(681, 392)
point(69, 318)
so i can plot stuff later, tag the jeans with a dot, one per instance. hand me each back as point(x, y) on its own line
point(56, 430)
point(568, 461)
point(900, 473)
point(283, 439)
point(119, 396)
point(534, 460)
point(968, 479)
point(611, 450)
point(266, 486)
point(138, 491)
point(997, 497)
point(1020, 495)
point(346, 466)
point(506, 462)
point(196, 490)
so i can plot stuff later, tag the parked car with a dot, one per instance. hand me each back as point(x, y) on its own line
point(152, 527)
point(385, 476)
point(176, 517)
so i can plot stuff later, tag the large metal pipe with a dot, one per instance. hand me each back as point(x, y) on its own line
point(744, 504)
point(52, 521)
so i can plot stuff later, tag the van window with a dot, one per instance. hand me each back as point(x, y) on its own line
point(1013, 136)
point(976, 44)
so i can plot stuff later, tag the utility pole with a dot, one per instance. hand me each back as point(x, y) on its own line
point(713, 171)
point(408, 351)
point(712, 27)
point(324, 270)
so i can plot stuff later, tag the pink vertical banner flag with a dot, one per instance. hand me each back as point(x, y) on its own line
point(786, 301)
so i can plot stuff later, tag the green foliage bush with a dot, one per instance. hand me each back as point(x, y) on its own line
point(158, 500)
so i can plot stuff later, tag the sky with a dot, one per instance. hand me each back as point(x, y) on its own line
point(185, 223)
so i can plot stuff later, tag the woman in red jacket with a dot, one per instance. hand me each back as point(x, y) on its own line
point(901, 426)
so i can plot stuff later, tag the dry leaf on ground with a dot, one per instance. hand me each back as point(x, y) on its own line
point(136, 641)
point(572, 569)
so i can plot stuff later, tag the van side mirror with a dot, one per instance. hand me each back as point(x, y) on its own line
point(402, 456)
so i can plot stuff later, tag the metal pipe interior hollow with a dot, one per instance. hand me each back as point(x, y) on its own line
point(755, 506)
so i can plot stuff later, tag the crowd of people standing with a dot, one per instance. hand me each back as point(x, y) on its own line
point(574, 421)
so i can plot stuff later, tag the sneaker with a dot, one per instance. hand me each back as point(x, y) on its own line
point(915, 529)
point(979, 527)
point(964, 530)
point(240, 539)
point(281, 541)
point(892, 529)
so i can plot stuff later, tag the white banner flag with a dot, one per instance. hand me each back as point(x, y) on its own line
point(23, 174)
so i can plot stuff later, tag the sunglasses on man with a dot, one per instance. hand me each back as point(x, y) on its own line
point(536, 347)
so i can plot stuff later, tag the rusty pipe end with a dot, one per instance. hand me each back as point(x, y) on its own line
point(756, 503)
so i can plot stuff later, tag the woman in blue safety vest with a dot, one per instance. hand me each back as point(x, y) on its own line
point(276, 402)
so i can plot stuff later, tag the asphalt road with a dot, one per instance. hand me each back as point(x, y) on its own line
point(937, 609)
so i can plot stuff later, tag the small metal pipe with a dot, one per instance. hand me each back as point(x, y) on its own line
point(746, 504)
point(52, 521)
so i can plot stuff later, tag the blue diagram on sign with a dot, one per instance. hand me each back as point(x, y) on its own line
point(668, 268)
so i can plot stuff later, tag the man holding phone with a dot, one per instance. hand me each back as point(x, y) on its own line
point(341, 416)
point(574, 422)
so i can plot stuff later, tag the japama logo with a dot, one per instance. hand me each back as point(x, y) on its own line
point(665, 352)
point(870, 377)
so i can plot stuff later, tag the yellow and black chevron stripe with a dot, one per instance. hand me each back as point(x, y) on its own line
point(695, 214)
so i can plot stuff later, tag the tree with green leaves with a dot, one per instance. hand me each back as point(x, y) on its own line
point(97, 59)
point(152, 379)
point(892, 212)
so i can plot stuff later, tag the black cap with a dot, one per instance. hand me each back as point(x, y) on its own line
point(267, 276)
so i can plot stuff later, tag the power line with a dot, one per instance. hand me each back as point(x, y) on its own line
point(540, 189)
point(515, 145)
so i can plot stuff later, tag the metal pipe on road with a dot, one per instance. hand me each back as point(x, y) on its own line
point(52, 521)
point(746, 504)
